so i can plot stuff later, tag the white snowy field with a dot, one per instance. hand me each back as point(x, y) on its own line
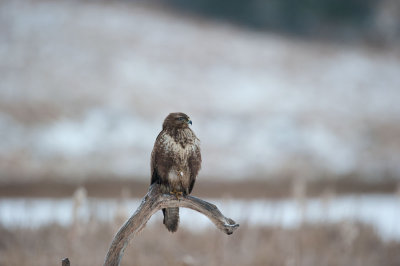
point(85, 85)
point(380, 211)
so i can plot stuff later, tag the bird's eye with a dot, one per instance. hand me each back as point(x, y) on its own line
point(181, 118)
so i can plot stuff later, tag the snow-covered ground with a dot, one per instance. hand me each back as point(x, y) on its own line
point(85, 85)
point(380, 211)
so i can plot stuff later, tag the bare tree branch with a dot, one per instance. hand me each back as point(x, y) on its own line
point(153, 202)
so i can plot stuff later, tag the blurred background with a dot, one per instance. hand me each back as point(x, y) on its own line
point(296, 104)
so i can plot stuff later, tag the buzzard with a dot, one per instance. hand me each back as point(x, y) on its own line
point(175, 162)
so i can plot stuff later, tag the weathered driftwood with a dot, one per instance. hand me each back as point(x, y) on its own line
point(153, 202)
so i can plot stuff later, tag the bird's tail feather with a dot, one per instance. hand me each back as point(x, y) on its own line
point(171, 218)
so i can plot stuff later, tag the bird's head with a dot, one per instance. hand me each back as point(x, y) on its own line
point(176, 120)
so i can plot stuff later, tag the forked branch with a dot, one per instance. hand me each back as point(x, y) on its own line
point(153, 202)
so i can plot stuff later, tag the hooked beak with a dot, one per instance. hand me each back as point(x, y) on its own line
point(189, 122)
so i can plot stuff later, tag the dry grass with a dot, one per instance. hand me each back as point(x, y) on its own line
point(339, 244)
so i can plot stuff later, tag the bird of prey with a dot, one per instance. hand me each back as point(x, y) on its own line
point(175, 162)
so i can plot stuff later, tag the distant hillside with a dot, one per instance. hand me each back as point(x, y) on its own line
point(375, 21)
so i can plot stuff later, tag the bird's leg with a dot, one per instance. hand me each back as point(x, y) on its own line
point(178, 194)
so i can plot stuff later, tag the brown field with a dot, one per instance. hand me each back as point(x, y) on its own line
point(345, 243)
point(251, 188)
point(339, 244)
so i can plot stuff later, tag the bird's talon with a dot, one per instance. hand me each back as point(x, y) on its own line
point(177, 194)
point(174, 193)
